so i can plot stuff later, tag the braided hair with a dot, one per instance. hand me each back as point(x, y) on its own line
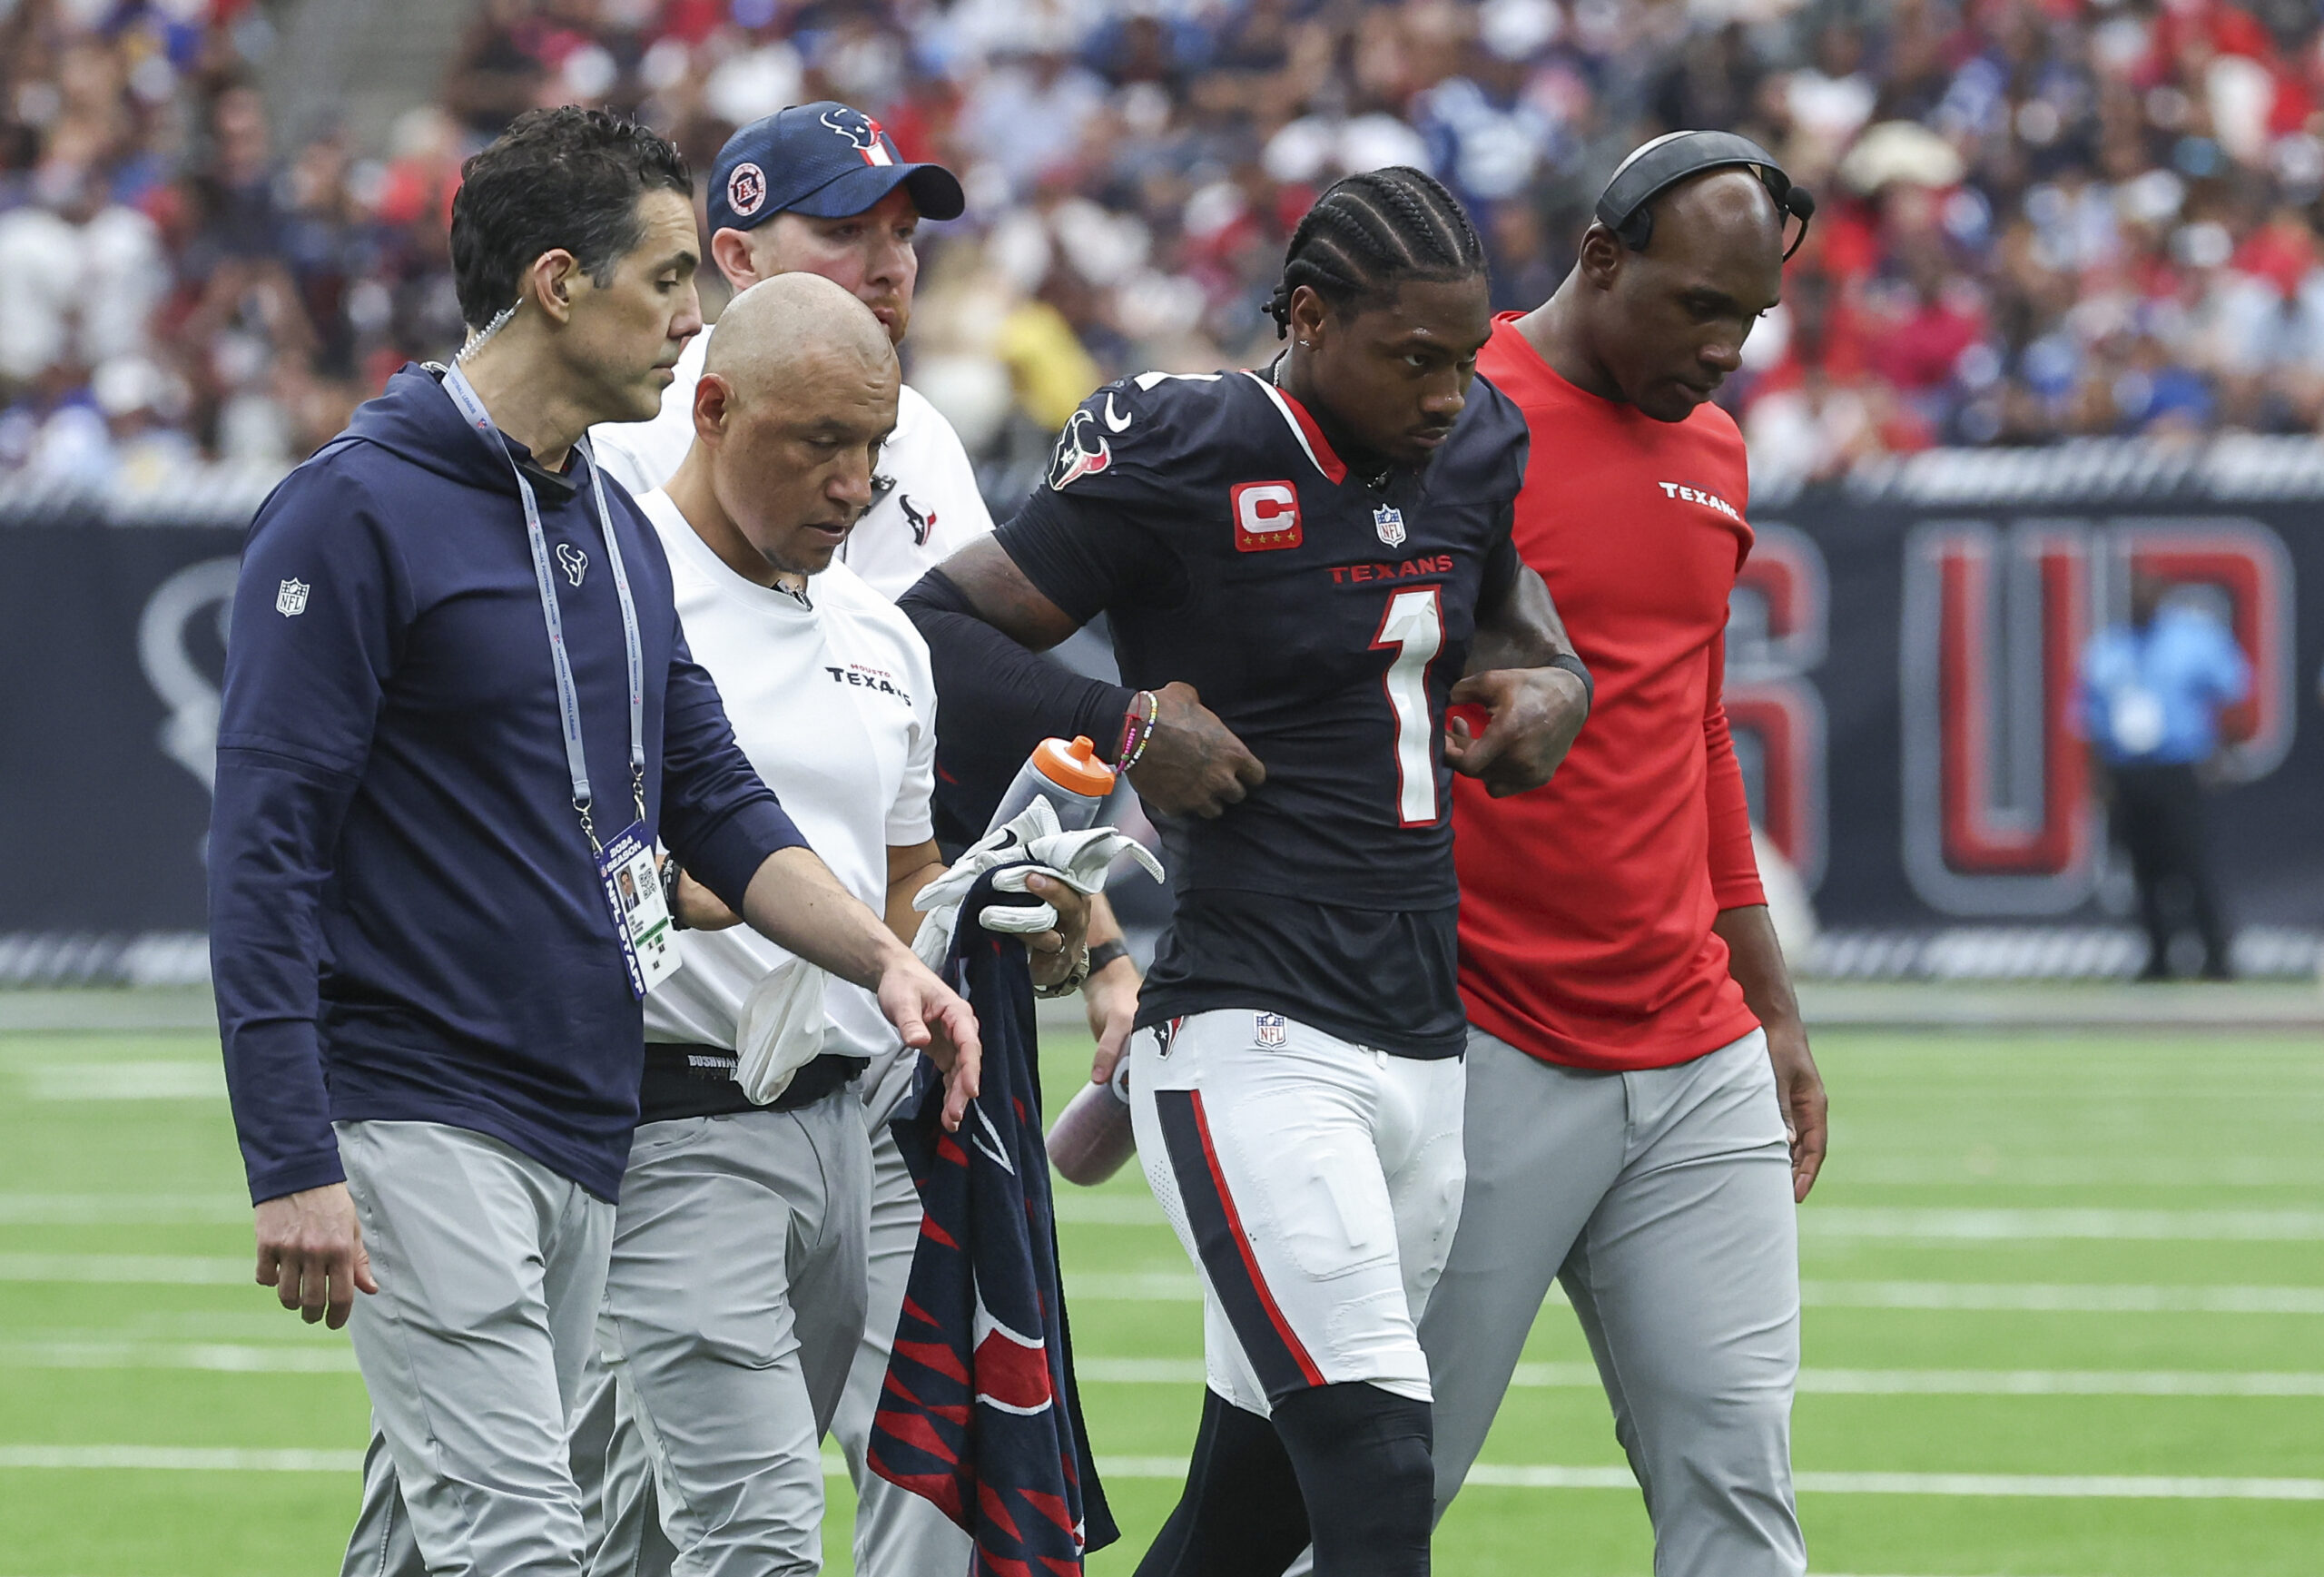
point(1368, 233)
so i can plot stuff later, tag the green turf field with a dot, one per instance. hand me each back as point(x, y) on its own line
point(2065, 1317)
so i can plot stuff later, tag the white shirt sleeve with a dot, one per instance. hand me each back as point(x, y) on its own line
point(911, 820)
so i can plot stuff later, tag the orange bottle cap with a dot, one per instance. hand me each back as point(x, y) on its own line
point(1074, 766)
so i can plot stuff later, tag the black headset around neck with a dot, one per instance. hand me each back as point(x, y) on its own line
point(1627, 209)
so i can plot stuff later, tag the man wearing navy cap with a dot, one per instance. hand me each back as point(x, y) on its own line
point(822, 189)
point(819, 189)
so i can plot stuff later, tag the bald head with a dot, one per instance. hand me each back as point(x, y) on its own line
point(798, 392)
point(772, 332)
point(1662, 329)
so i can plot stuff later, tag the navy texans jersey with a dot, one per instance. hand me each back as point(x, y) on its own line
point(1324, 617)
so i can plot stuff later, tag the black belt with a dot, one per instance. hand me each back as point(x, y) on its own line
point(699, 1081)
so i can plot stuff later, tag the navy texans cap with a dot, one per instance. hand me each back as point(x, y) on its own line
point(823, 160)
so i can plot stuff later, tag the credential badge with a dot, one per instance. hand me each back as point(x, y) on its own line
point(1268, 1030)
point(575, 562)
point(1389, 521)
point(291, 601)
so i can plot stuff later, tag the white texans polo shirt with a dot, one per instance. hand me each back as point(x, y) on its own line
point(832, 699)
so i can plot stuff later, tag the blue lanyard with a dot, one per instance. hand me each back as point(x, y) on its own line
point(568, 697)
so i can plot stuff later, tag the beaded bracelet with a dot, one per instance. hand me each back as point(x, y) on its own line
point(1138, 730)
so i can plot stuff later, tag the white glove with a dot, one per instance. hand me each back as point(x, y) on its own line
point(1030, 844)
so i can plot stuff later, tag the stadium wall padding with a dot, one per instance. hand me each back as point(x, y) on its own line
point(1900, 678)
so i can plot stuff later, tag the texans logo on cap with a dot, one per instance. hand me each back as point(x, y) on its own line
point(746, 190)
point(862, 133)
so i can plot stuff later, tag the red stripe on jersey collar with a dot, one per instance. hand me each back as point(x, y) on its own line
point(1310, 435)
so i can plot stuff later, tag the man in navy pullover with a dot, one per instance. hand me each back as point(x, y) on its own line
point(431, 1016)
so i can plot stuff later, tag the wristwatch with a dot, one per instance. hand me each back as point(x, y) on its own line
point(670, 874)
point(1106, 952)
point(1072, 982)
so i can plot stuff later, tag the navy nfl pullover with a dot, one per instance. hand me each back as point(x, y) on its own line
point(405, 922)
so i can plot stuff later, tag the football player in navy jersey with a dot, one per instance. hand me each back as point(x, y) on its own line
point(1302, 568)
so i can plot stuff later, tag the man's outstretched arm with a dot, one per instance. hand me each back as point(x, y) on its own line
point(986, 624)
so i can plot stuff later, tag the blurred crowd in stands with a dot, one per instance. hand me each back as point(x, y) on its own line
point(2041, 218)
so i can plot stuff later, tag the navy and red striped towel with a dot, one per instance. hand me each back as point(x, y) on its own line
point(981, 1413)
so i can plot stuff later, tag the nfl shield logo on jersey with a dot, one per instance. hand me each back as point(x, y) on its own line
point(1389, 521)
point(291, 601)
point(1268, 1030)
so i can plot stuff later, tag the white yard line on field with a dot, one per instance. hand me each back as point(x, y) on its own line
point(1976, 1224)
point(2028, 1297)
point(1988, 1486)
point(2062, 1298)
point(2050, 1383)
point(179, 1459)
point(215, 1459)
point(108, 1209)
point(2006, 1225)
point(219, 1357)
point(1185, 1287)
point(2020, 1171)
point(1839, 1382)
point(320, 1358)
point(171, 1078)
point(2060, 1486)
point(184, 1270)
point(1984, 1484)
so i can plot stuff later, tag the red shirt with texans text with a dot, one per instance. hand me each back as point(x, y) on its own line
point(1586, 906)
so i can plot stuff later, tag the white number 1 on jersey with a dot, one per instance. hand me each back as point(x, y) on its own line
point(1414, 627)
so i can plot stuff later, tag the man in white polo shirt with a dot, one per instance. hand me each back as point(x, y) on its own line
point(822, 189)
point(818, 188)
point(735, 1301)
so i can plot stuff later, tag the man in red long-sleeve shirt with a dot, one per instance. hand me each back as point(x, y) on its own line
point(1643, 1112)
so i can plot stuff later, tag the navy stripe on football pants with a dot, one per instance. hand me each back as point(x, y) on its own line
point(1276, 1354)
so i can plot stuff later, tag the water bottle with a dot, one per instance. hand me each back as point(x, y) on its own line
point(1092, 1137)
point(1067, 774)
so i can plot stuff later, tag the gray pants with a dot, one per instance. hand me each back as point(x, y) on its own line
point(734, 1307)
point(897, 1533)
point(491, 1268)
point(1663, 1201)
